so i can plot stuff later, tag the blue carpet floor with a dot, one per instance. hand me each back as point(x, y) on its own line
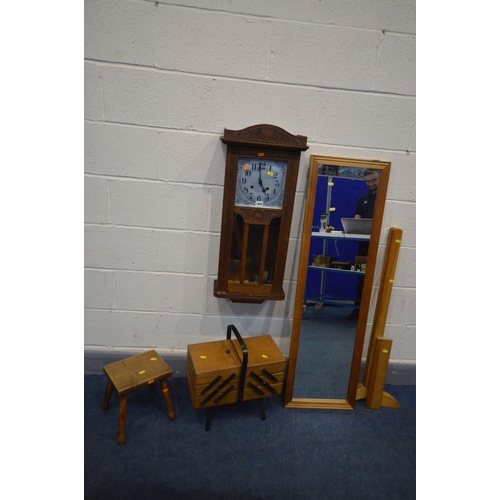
point(294, 454)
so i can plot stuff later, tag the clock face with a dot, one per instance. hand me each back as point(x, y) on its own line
point(260, 182)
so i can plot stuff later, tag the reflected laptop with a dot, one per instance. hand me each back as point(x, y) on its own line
point(357, 226)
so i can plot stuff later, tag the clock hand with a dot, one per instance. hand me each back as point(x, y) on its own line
point(260, 181)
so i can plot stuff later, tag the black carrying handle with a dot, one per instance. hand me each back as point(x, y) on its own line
point(232, 328)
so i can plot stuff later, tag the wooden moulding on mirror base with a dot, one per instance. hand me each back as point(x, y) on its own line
point(379, 349)
point(321, 404)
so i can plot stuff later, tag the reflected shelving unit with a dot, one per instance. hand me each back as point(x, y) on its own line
point(321, 291)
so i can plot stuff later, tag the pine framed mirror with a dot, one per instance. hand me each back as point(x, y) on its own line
point(335, 279)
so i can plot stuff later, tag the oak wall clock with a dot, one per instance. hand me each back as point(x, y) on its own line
point(262, 164)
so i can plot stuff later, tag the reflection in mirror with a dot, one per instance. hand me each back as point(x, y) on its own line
point(342, 221)
point(336, 268)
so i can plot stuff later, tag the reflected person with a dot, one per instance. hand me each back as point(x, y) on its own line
point(364, 210)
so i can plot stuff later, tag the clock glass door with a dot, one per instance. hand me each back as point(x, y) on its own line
point(260, 185)
point(253, 248)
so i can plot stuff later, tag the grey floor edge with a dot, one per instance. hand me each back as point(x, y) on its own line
point(94, 359)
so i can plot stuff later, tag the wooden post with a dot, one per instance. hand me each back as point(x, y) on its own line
point(377, 359)
point(375, 395)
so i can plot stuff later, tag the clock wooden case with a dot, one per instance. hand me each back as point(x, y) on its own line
point(262, 163)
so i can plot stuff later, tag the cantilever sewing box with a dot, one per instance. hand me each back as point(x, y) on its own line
point(234, 370)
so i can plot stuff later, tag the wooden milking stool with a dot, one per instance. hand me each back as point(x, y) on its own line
point(133, 373)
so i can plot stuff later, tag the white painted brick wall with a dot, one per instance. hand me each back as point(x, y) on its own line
point(121, 31)
point(290, 107)
point(299, 54)
point(158, 204)
point(156, 98)
point(396, 65)
point(121, 151)
point(365, 120)
point(213, 43)
point(162, 81)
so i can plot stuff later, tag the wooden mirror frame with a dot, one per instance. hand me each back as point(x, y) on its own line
point(348, 403)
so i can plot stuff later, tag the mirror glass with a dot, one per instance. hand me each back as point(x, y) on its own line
point(342, 221)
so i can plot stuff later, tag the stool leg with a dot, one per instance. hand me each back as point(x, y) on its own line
point(168, 399)
point(107, 396)
point(122, 419)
